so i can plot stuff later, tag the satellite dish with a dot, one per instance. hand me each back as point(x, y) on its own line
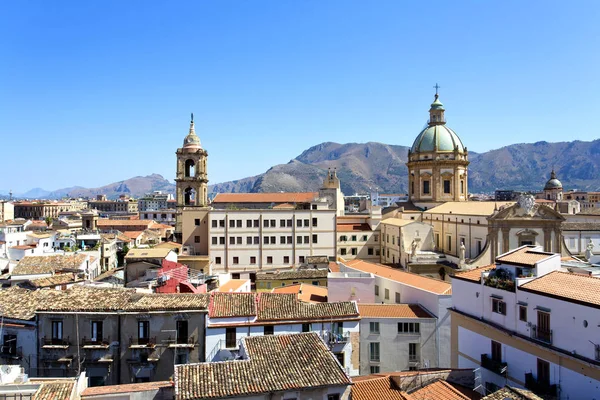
point(6, 369)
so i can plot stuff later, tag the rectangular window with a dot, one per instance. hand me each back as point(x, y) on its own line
point(387, 294)
point(256, 223)
point(314, 222)
point(265, 223)
point(374, 327)
point(543, 372)
point(449, 240)
point(197, 221)
point(282, 223)
point(97, 331)
point(230, 339)
point(306, 241)
point(369, 251)
point(299, 223)
point(409, 327)
point(289, 223)
point(286, 259)
point(376, 290)
point(496, 351)
point(252, 260)
point(425, 187)
point(290, 239)
point(269, 330)
point(222, 240)
point(214, 240)
point(232, 223)
point(498, 306)
point(214, 223)
point(374, 369)
point(413, 352)
point(462, 187)
point(376, 238)
point(221, 223)
point(523, 313)
point(248, 239)
point(269, 260)
point(543, 331)
point(273, 223)
point(306, 223)
point(196, 239)
point(365, 238)
point(273, 238)
point(354, 251)
point(343, 251)
point(231, 240)
point(217, 260)
point(238, 223)
point(248, 223)
point(446, 186)
point(314, 238)
point(57, 330)
point(301, 259)
point(305, 327)
point(281, 239)
point(299, 239)
point(143, 332)
point(374, 351)
point(256, 239)
point(265, 240)
point(236, 260)
point(340, 358)
point(181, 330)
point(397, 298)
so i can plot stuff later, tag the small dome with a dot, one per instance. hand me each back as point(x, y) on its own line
point(553, 183)
point(437, 104)
point(437, 138)
point(192, 141)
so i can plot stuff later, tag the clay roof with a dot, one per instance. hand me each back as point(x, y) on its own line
point(439, 390)
point(577, 288)
point(524, 256)
point(160, 252)
point(132, 234)
point(86, 298)
point(376, 388)
point(353, 228)
point(474, 274)
point(510, 393)
point(407, 278)
point(275, 363)
point(478, 208)
point(232, 285)
point(167, 301)
point(298, 274)
point(55, 280)
point(127, 388)
point(392, 311)
point(21, 303)
point(305, 292)
point(124, 222)
point(33, 265)
point(156, 225)
point(334, 267)
point(397, 221)
point(55, 390)
point(271, 307)
point(169, 245)
point(284, 206)
point(292, 197)
point(232, 305)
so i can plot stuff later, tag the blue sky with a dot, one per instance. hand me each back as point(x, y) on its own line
point(93, 92)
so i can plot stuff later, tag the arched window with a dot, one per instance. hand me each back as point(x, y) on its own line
point(190, 168)
point(190, 197)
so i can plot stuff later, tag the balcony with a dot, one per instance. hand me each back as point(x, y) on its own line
point(500, 283)
point(182, 342)
point(334, 338)
point(540, 388)
point(497, 367)
point(95, 343)
point(11, 353)
point(541, 335)
point(55, 343)
point(142, 343)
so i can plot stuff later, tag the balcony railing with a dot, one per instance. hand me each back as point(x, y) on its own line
point(332, 337)
point(413, 358)
point(539, 388)
point(142, 342)
point(105, 342)
point(56, 342)
point(495, 366)
point(542, 335)
point(182, 342)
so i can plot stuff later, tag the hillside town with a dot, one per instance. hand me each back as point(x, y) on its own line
point(431, 294)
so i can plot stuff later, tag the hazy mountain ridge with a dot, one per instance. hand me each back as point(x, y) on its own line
point(363, 167)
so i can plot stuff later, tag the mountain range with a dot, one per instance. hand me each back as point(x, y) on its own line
point(364, 167)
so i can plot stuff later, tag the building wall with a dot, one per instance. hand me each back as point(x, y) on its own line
point(394, 346)
point(294, 251)
point(268, 284)
point(450, 229)
point(162, 329)
point(195, 230)
point(349, 288)
point(365, 245)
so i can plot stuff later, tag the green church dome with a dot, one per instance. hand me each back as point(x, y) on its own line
point(437, 138)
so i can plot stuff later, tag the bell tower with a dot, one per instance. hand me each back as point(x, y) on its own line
point(192, 179)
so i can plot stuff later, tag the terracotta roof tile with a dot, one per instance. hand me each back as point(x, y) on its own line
point(334, 266)
point(232, 285)
point(292, 197)
point(578, 288)
point(31, 265)
point(510, 393)
point(167, 301)
point(407, 278)
point(439, 390)
point(524, 256)
point(353, 228)
point(104, 222)
point(21, 303)
point(275, 363)
point(126, 388)
point(232, 305)
point(475, 273)
point(85, 298)
point(55, 280)
point(392, 311)
point(376, 388)
point(298, 274)
point(55, 390)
